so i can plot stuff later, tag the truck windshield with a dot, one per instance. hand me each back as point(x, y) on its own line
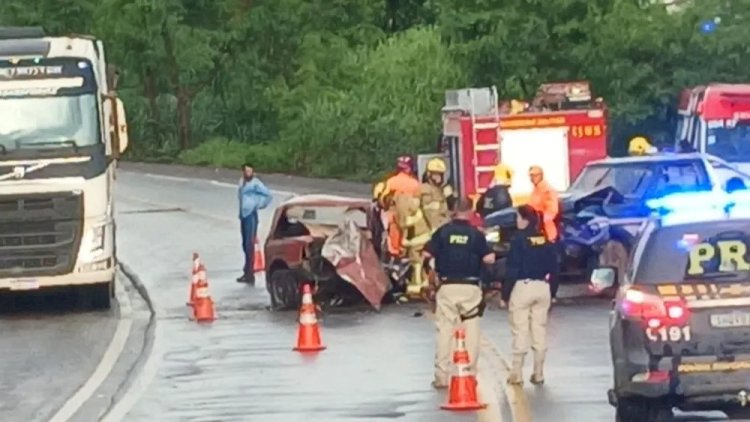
point(48, 121)
point(700, 252)
point(730, 143)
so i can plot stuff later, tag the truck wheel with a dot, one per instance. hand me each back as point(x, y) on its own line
point(96, 297)
point(614, 254)
point(642, 410)
point(285, 289)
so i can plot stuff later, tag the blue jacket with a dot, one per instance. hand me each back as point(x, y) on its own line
point(253, 196)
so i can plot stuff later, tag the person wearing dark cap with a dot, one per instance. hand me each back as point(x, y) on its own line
point(460, 250)
point(531, 262)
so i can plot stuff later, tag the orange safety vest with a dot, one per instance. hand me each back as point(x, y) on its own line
point(400, 183)
point(545, 201)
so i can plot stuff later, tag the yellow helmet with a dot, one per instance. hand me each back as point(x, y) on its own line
point(436, 165)
point(378, 190)
point(640, 146)
point(503, 175)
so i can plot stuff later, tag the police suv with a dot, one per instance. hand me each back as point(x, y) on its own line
point(680, 325)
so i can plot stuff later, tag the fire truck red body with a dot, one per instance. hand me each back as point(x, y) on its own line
point(715, 119)
point(562, 131)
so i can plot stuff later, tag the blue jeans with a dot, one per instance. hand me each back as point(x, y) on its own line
point(249, 229)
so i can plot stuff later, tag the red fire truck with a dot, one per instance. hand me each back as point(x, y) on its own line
point(715, 119)
point(563, 129)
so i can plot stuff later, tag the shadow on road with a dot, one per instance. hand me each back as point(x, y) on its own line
point(40, 303)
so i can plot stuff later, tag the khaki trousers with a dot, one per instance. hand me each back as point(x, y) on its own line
point(452, 301)
point(529, 307)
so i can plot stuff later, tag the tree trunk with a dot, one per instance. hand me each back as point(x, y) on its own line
point(184, 117)
point(184, 96)
point(150, 91)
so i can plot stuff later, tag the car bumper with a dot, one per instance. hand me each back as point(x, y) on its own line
point(693, 391)
point(102, 271)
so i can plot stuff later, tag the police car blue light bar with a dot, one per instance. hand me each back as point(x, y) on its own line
point(702, 205)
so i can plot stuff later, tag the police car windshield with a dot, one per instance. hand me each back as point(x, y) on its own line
point(716, 251)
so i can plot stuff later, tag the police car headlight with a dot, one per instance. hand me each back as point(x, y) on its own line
point(492, 234)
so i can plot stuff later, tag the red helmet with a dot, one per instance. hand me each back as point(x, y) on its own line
point(404, 163)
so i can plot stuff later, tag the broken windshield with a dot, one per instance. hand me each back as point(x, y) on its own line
point(627, 180)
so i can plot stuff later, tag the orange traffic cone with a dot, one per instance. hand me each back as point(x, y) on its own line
point(463, 388)
point(258, 263)
point(203, 307)
point(308, 333)
point(194, 278)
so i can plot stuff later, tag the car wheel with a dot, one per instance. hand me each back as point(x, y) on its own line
point(284, 289)
point(642, 410)
point(614, 254)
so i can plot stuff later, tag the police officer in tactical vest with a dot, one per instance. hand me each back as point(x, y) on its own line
point(460, 251)
point(531, 262)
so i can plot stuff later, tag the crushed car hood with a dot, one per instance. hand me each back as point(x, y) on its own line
point(573, 202)
point(356, 261)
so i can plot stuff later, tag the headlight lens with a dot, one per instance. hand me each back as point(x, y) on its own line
point(492, 235)
point(93, 243)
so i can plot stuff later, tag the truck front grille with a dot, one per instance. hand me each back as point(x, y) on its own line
point(39, 233)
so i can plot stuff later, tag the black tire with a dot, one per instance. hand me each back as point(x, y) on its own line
point(96, 297)
point(642, 410)
point(284, 289)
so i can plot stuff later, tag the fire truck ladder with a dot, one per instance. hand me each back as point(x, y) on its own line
point(484, 105)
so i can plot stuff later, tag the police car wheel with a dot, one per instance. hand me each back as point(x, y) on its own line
point(642, 410)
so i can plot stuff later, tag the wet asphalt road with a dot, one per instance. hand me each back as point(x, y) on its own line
point(47, 350)
point(577, 374)
point(241, 368)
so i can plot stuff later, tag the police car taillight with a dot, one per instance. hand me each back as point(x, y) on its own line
point(653, 310)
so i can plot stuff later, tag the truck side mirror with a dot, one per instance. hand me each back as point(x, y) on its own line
point(121, 128)
point(118, 125)
point(113, 77)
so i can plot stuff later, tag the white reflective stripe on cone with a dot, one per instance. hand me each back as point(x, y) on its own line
point(307, 318)
point(307, 299)
point(462, 370)
point(201, 292)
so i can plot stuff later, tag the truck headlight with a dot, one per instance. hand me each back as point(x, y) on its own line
point(92, 244)
point(492, 234)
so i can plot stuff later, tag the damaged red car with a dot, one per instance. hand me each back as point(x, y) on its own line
point(327, 241)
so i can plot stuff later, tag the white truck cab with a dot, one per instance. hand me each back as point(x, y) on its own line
point(62, 129)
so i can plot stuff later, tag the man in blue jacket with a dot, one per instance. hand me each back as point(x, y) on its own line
point(253, 195)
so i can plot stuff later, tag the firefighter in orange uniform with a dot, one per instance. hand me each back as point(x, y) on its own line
point(545, 200)
point(401, 183)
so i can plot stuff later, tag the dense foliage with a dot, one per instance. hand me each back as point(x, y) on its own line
point(339, 87)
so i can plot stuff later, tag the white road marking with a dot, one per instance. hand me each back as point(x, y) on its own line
point(140, 383)
point(213, 182)
point(108, 361)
